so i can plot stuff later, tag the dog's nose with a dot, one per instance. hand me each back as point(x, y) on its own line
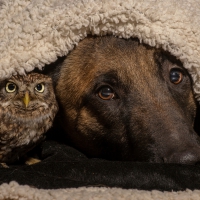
point(189, 157)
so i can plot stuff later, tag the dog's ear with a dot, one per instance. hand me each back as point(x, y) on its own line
point(53, 69)
point(197, 120)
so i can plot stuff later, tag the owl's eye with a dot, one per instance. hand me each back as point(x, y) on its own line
point(11, 87)
point(39, 87)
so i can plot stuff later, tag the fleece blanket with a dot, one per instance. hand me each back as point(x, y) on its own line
point(16, 191)
point(34, 33)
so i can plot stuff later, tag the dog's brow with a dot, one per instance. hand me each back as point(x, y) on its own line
point(110, 76)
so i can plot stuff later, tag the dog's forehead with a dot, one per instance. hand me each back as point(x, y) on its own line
point(127, 58)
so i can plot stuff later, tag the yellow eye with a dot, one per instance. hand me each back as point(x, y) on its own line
point(39, 87)
point(11, 87)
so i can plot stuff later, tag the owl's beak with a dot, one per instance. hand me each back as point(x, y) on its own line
point(26, 99)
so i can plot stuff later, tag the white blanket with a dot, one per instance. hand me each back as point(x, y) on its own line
point(13, 191)
point(35, 32)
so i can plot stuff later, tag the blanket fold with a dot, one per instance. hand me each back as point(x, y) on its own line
point(65, 173)
point(34, 33)
point(64, 167)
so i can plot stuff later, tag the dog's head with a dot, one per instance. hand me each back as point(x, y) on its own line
point(123, 100)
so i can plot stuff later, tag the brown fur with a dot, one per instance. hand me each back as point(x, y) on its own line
point(22, 126)
point(150, 118)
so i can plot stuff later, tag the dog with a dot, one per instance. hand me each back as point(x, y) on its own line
point(122, 100)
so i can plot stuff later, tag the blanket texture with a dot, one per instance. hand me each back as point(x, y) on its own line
point(34, 33)
point(14, 191)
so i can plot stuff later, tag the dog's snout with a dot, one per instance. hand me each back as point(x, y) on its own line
point(189, 157)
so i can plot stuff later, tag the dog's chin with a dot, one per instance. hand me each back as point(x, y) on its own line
point(184, 157)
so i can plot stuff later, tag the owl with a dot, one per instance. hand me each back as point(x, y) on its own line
point(27, 110)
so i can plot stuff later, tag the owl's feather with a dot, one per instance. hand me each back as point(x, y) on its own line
point(21, 126)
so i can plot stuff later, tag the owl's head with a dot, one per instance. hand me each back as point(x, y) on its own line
point(32, 93)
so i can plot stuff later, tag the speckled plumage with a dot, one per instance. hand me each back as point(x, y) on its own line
point(21, 126)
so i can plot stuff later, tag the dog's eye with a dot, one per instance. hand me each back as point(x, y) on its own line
point(106, 93)
point(176, 76)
